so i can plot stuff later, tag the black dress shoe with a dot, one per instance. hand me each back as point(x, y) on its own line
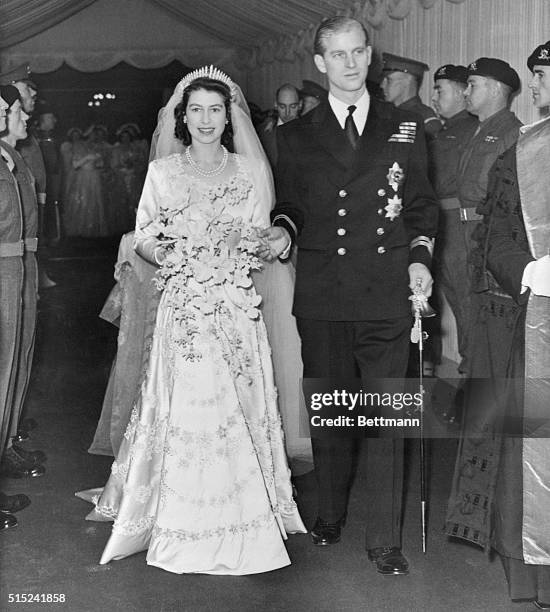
point(325, 534)
point(7, 520)
point(36, 457)
point(14, 466)
point(540, 605)
point(13, 503)
point(389, 560)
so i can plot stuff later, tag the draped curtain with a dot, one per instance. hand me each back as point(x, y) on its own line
point(268, 42)
point(245, 23)
point(22, 19)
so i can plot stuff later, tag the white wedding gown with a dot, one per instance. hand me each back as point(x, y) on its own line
point(201, 480)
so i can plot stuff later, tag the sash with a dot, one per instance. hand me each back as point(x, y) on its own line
point(533, 168)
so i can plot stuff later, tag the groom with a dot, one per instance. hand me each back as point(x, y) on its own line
point(354, 196)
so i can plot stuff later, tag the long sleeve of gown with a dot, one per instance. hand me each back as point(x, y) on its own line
point(264, 193)
point(147, 227)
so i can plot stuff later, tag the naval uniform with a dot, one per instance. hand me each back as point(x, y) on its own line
point(359, 218)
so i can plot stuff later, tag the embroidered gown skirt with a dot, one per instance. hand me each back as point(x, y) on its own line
point(201, 480)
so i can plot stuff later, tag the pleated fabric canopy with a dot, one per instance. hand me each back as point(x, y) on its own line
point(245, 23)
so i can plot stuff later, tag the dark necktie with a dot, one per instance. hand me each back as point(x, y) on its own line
point(350, 128)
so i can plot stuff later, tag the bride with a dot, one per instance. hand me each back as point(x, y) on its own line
point(201, 480)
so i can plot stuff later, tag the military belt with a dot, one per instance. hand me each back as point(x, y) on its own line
point(17, 249)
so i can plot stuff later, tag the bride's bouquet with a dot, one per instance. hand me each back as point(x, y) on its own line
point(213, 250)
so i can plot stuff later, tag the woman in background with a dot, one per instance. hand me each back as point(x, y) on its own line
point(128, 162)
point(85, 209)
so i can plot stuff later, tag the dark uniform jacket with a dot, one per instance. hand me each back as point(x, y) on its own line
point(445, 152)
point(11, 211)
point(495, 135)
point(31, 153)
point(356, 232)
point(18, 208)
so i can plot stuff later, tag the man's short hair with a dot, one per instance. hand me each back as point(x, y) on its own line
point(331, 26)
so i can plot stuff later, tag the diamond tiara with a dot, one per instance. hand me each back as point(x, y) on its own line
point(210, 72)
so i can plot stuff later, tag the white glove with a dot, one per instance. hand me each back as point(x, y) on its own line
point(419, 272)
point(536, 276)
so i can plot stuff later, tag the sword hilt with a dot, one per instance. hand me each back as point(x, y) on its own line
point(420, 304)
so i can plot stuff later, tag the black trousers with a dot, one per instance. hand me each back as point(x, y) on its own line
point(368, 349)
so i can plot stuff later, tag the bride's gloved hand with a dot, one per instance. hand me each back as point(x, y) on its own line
point(275, 241)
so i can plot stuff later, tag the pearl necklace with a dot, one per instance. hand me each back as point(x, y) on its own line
point(203, 172)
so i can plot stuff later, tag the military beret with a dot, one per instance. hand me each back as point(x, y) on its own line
point(452, 73)
point(394, 63)
point(540, 56)
point(496, 69)
point(310, 88)
point(9, 94)
point(21, 73)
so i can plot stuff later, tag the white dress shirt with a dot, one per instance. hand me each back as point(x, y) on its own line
point(340, 109)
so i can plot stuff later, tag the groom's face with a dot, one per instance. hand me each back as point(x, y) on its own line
point(345, 60)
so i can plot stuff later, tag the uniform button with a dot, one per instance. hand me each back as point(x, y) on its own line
point(342, 251)
point(380, 231)
point(381, 192)
point(381, 250)
point(342, 193)
point(342, 212)
point(341, 231)
point(380, 211)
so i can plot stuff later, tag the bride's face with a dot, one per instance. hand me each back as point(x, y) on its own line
point(206, 116)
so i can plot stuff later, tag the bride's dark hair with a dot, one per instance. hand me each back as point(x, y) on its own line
point(181, 131)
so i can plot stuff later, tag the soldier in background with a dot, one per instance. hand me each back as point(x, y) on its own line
point(29, 148)
point(288, 106)
point(53, 165)
point(450, 257)
point(491, 84)
point(18, 279)
point(402, 78)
